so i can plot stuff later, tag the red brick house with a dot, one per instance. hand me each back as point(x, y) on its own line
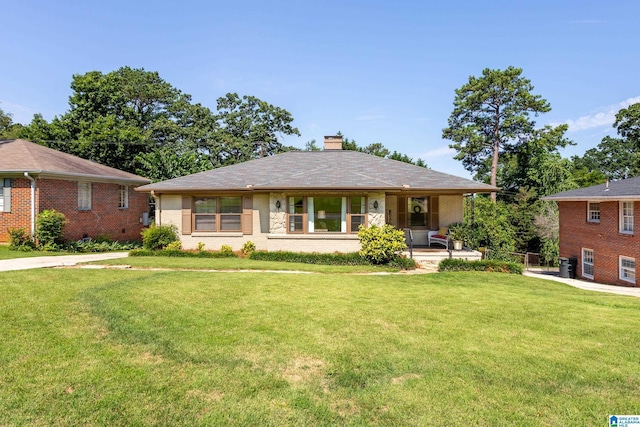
point(598, 228)
point(96, 199)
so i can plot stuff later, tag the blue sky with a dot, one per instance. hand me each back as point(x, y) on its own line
point(378, 71)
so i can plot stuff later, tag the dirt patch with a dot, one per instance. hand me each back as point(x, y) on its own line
point(403, 378)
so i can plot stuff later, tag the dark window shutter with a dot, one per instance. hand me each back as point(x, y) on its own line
point(434, 221)
point(402, 212)
point(186, 215)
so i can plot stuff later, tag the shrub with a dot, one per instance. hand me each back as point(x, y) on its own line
point(226, 249)
point(174, 246)
point(20, 240)
point(180, 254)
point(158, 237)
point(49, 229)
point(200, 247)
point(248, 248)
point(380, 245)
point(403, 263)
point(310, 258)
point(454, 264)
point(102, 238)
point(104, 246)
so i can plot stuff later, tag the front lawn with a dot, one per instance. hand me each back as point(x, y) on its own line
point(241, 264)
point(6, 253)
point(104, 347)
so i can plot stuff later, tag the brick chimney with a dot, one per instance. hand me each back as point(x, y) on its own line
point(333, 143)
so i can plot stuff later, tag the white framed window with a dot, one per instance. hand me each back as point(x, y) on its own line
point(5, 195)
point(217, 214)
point(627, 269)
point(626, 217)
point(124, 197)
point(84, 196)
point(326, 214)
point(587, 263)
point(593, 211)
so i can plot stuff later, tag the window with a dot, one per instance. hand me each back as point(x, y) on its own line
point(628, 269)
point(5, 195)
point(217, 214)
point(587, 263)
point(124, 197)
point(84, 196)
point(296, 215)
point(626, 217)
point(326, 214)
point(593, 212)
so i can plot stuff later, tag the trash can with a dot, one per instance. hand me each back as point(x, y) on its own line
point(573, 266)
point(565, 268)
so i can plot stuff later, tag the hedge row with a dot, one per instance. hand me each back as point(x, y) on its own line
point(482, 265)
point(182, 254)
point(310, 258)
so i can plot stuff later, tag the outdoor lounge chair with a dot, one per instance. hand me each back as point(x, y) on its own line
point(440, 236)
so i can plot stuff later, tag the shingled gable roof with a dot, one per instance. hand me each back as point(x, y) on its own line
point(18, 156)
point(615, 190)
point(320, 170)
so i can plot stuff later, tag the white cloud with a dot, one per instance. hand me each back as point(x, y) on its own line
point(604, 118)
point(438, 152)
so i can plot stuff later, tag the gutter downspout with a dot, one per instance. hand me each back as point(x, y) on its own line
point(33, 203)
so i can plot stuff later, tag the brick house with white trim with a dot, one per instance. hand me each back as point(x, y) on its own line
point(95, 199)
point(599, 227)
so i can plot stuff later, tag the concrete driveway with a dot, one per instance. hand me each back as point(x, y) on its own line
point(56, 261)
point(583, 284)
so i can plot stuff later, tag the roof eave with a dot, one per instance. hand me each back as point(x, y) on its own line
point(591, 198)
point(77, 176)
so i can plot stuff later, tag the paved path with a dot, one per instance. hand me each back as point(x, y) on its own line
point(583, 284)
point(56, 260)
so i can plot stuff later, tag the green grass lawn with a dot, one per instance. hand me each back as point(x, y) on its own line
point(240, 264)
point(104, 347)
point(6, 253)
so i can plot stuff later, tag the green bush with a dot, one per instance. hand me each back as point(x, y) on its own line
point(174, 246)
point(380, 245)
point(200, 247)
point(96, 246)
point(180, 254)
point(454, 264)
point(20, 240)
point(158, 237)
point(310, 258)
point(248, 248)
point(49, 229)
point(403, 263)
point(226, 249)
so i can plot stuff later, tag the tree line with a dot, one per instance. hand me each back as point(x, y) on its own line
point(493, 130)
point(133, 120)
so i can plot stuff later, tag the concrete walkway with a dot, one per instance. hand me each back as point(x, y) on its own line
point(56, 261)
point(583, 284)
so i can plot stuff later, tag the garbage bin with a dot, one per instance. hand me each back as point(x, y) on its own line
point(565, 268)
point(573, 266)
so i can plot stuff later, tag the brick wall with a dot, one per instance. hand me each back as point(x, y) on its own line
point(20, 215)
point(104, 218)
point(603, 238)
